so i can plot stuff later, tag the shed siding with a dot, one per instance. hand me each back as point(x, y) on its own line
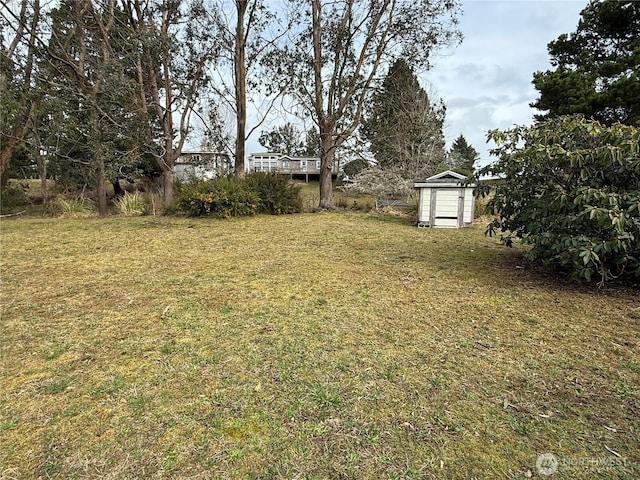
point(447, 203)
point(425, 205)
point(446, 222)
point(469, 206)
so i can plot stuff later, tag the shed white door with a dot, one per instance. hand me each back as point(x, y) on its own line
point(445, 207)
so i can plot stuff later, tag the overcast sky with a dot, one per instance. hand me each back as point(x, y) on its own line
point(486, 81)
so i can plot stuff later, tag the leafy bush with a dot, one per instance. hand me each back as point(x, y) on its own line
point(132, 204)
point(221, 198)
point(277, 194)
point(230, 197)
point(572, 191)
point(13, 195)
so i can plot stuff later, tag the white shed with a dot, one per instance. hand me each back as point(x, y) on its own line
point(444, 202)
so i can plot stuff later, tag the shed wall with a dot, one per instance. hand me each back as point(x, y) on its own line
point(445, 211)
point(446, 207)
point(424, 208)
point(469, 206)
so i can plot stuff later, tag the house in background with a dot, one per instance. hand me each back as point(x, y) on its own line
point(445, 201)
point(264, 162)
point(202, 165)
point(298, 168)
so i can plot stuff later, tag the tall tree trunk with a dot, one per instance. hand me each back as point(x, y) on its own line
point(5, 157)
point(10, 143)
point(101, 188)
point(98, 149)
point(167, 161)
point(118, 192)
point(42, 173)
point(240, 88)
point(326, 123)
point(168, 179)
point(327, 155)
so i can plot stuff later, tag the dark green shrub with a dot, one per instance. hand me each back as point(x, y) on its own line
point(571, 190)
point(277, 194)
point(221, 198)
point(231, 197)
point(13, 196)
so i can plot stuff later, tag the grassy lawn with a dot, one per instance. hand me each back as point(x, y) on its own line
point(309, 346)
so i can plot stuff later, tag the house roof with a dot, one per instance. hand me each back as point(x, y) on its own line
point(297, 159)
point(203, 152)
point(448, 178)
point(265, 153)
point(282, 156)
point(185, 157)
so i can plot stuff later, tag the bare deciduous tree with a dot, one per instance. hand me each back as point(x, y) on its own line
point(249, 35)
point(335, 61)
point(177, 42)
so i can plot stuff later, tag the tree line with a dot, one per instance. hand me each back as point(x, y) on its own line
point(110, 88)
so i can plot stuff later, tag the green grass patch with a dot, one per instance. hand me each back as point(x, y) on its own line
point(315, 346)
point(57, 385)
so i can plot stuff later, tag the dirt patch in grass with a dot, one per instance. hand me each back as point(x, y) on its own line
point(307, 346)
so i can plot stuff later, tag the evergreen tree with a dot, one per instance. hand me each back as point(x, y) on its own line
point(354, 167)
point(462, 156)
point(312, 143)
point(18, 100)
point(403, 126)
point(597, 67)
point(91, 94)
point(283, 139)
point(287, 139)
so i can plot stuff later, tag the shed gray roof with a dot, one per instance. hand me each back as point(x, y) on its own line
point(444, 179)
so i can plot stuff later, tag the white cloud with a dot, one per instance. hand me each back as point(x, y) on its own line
point(486, 81)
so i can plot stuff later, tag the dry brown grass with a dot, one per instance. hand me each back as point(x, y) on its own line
point(311, 198)
point(308, 346)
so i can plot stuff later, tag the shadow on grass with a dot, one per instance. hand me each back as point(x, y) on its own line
point(472, 253)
